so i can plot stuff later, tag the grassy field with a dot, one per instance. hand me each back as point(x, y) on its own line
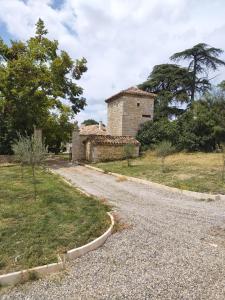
point(33, 232)
point(199, 172)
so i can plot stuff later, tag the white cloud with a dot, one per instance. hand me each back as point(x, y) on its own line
point(122, 40)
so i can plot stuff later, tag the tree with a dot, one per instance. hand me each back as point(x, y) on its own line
point(89, 122)
point(196, 130)
point(221, 85)
point(200, 128)
point(58, 130)
point(154, 132)
point(21, 150)
point(129, 150)
point(222, 150)
point(30, 151)
point(163, 150)
point(35, 77)
point(172, 85)
point(202, 58)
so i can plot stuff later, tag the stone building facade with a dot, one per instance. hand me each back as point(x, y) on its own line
point(126, 111)
point(103, 148)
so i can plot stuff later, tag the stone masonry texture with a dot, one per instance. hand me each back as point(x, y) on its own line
point(126, 114)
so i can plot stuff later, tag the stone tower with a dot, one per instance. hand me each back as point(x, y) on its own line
point(127, 110)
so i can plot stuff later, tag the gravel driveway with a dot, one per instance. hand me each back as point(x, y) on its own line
point(175, 248)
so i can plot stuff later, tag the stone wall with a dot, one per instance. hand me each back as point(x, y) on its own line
point(109, 152)
point(78, 147)
point(136, 110)
point(127, 113)
point(115, 116)
point(88, 155)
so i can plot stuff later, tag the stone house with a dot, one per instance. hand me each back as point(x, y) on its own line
point(126, 111)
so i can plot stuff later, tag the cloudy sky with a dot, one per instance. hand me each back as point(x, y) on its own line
point(121, 39)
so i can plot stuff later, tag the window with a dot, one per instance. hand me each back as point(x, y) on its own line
point(146, 116)
point(138, 104)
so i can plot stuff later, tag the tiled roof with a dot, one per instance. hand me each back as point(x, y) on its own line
point(92, 130)
point(112, 140)
point(133, 91)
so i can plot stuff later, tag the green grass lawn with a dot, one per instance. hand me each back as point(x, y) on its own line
point(33, 232)
point(199, 172)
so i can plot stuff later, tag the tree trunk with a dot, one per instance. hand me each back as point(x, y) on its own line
point(163, 164)
point(223, 166)
point(22, 173)
point(34, 182)
point(128, 162)
point(194, 81)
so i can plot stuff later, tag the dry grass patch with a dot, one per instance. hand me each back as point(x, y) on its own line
point(121, 178)
point(120, 224)
point(199, 172)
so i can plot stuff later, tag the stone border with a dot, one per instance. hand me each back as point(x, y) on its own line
point(40, 271)
point(22, 276)
point(77, 252)
point(197, 195)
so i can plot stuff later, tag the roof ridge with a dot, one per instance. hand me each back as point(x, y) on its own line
point(133, 90)
point(112, 139)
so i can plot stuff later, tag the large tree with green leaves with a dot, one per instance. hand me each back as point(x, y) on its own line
point(58, 130)
point(201, 59)
point(35, 77)
point(221, 85)
point(89, 122)
point(172, 85)
point(200, 128)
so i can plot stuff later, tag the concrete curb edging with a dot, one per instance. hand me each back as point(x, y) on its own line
point(197, 195)
point(77, 252)
point(22, 276)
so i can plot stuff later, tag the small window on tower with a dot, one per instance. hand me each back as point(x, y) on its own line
point(138, 104)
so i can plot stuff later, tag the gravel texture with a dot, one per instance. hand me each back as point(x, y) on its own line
point(175, 248)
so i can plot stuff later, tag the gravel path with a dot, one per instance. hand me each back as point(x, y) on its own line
point(174, 249)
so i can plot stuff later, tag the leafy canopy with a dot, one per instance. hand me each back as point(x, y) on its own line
point(176, 85)
point(172, 84)
point(201, 59)
point(89, 122)
point(35, 77)
point(200, 128)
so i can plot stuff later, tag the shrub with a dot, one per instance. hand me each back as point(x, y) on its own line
point(30, 151)
point(129, 152)
point(154, 132)
point(163, 150)
point(222, 150)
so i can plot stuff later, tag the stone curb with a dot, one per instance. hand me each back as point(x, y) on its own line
point(77, 252)
point(197, 195)
point(24, 275)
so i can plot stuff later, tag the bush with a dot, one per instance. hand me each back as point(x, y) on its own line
point(154, 132)
point(164, 149)
point(129, 152)
point(30, 151)
point(200, 128)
